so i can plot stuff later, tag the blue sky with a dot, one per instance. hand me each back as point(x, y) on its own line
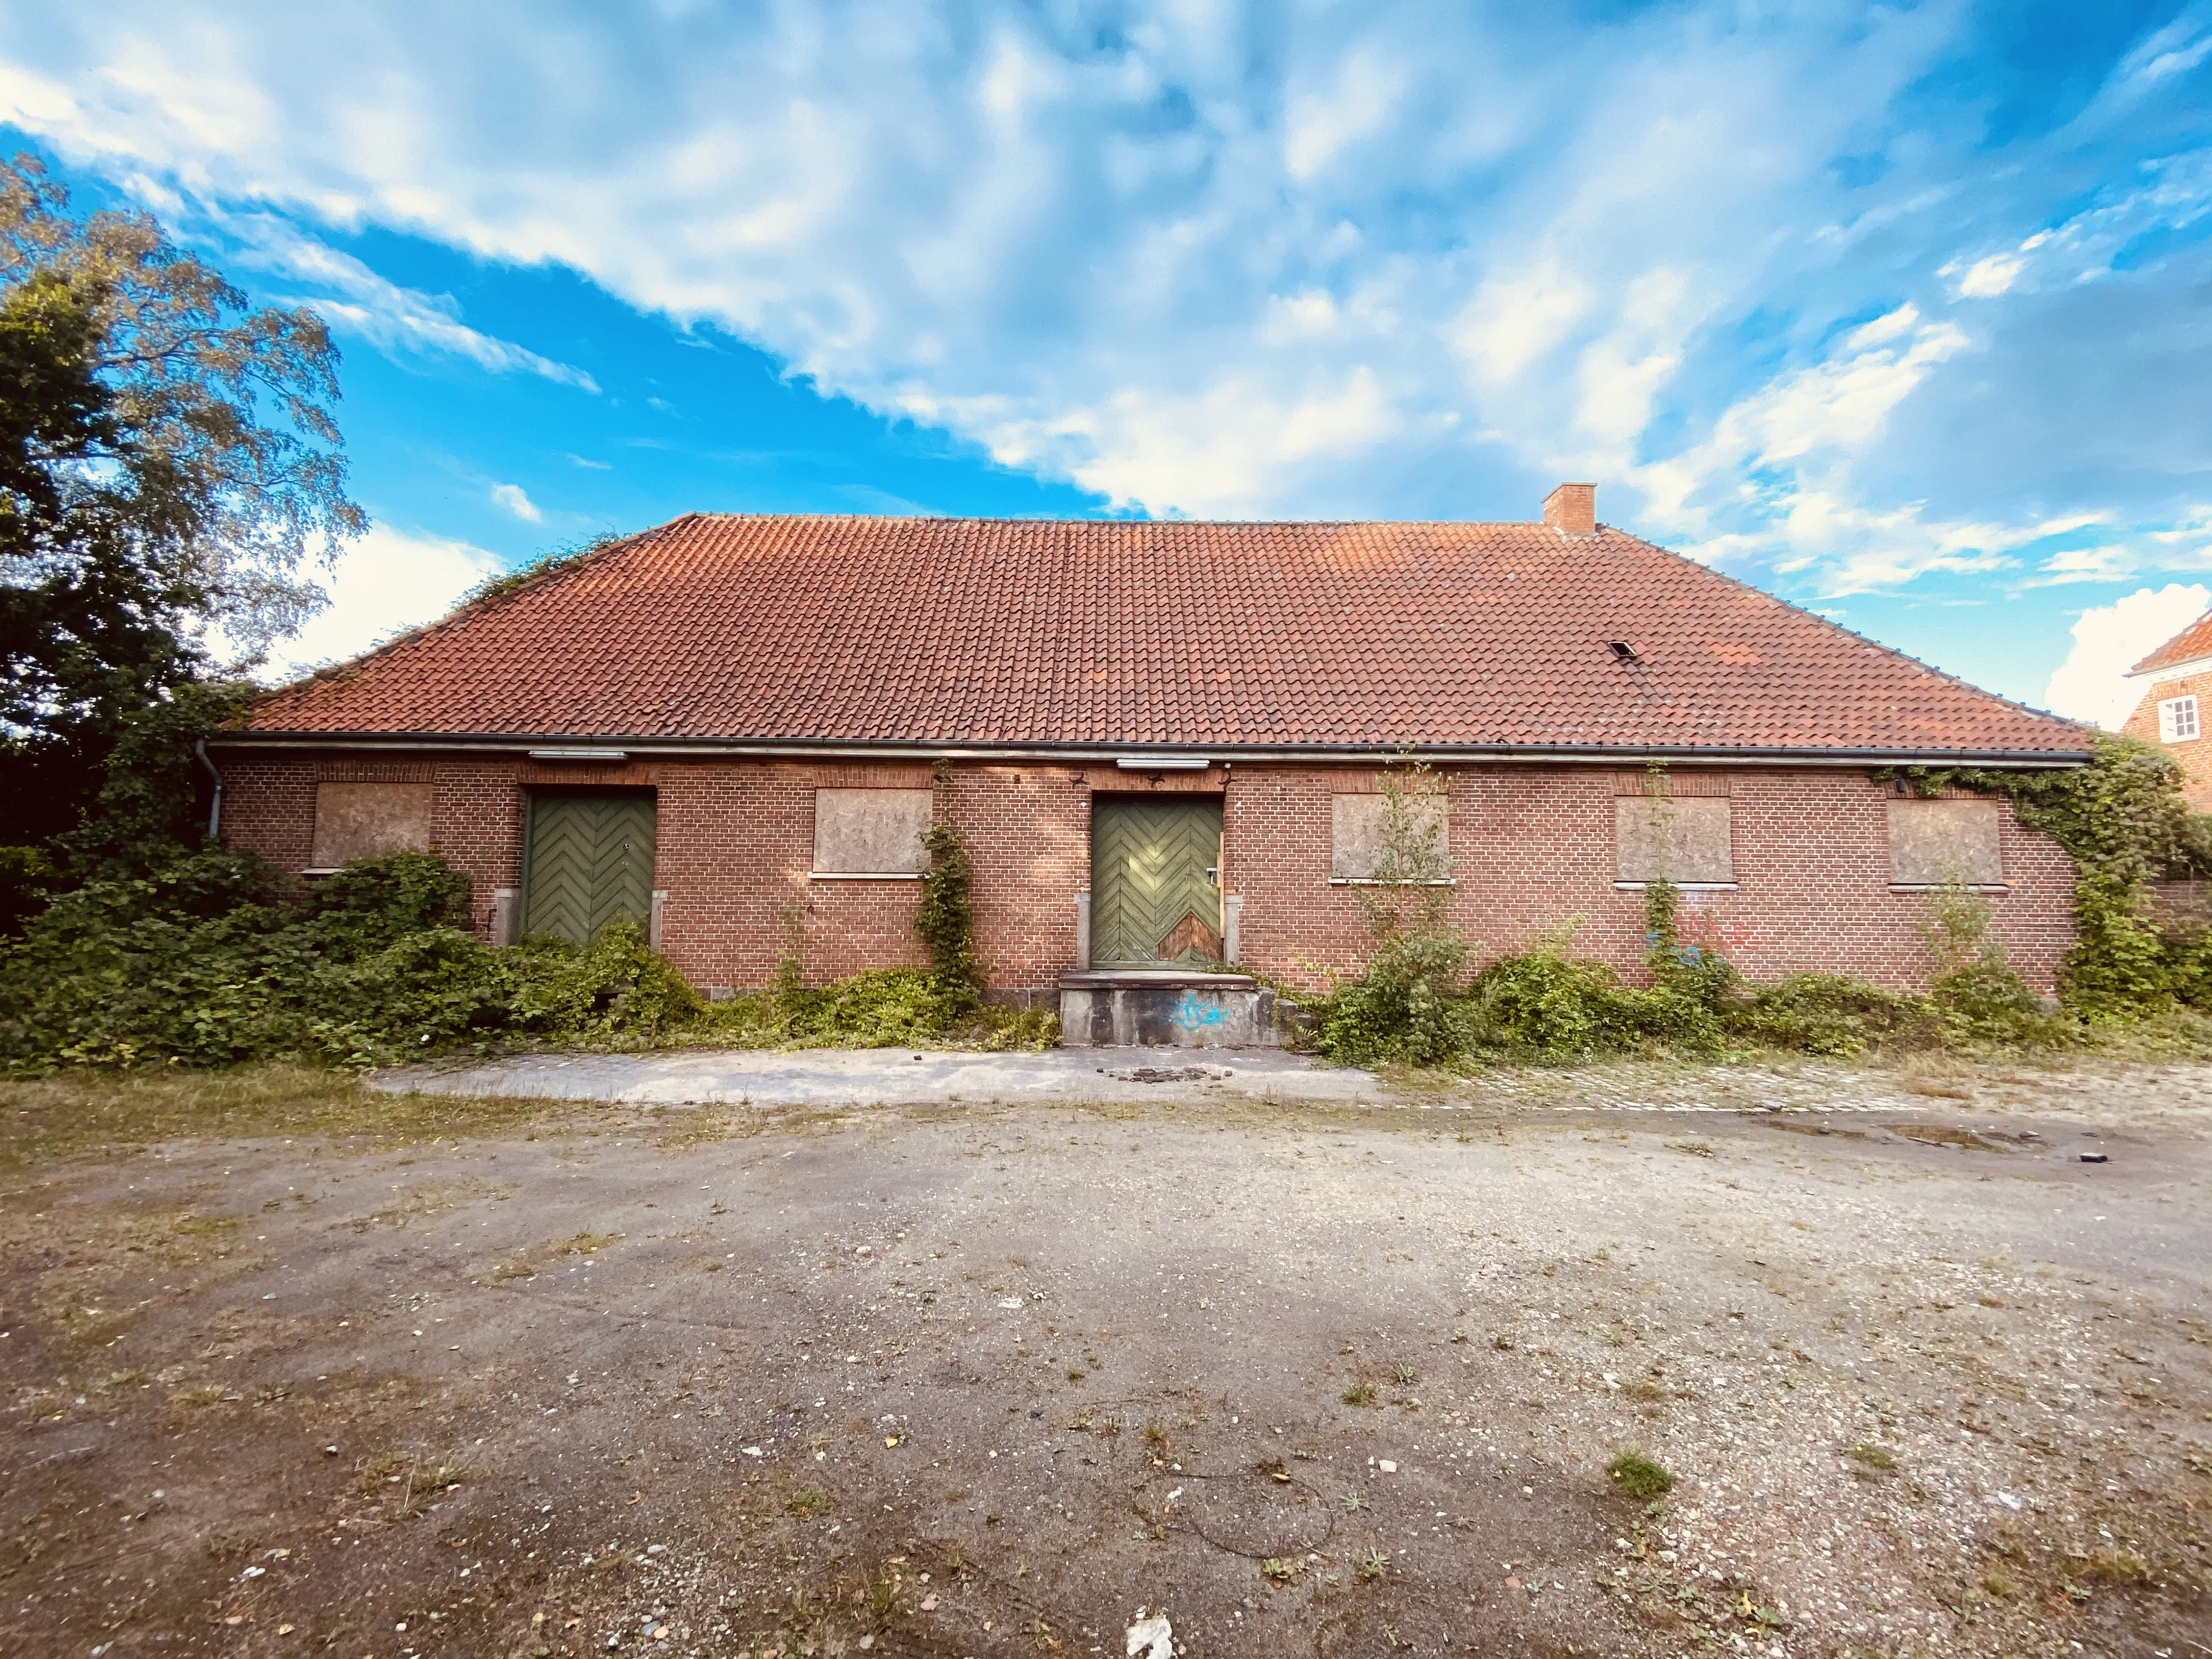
point(1898, 312)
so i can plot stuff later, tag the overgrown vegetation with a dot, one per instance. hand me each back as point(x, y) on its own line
point(2122, 817)
point(211, 958)
point(2123, 820)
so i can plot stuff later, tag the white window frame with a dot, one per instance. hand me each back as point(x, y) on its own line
point(2177, 720)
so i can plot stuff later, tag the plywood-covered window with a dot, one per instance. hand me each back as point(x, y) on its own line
point(871, 832)
point(1934, 843)
point(1359, 835)
point(367, 820)
point(1686, 840)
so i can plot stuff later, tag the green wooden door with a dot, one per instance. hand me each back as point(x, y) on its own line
point(1153, 894)
point(586, 859)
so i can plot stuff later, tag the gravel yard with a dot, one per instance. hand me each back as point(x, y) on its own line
point(963, 1379)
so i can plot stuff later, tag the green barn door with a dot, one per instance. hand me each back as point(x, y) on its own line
point(1154, 897)
point(586, 859)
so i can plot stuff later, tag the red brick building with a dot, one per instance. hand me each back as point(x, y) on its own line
point(1162, 742)
point(2177, 702)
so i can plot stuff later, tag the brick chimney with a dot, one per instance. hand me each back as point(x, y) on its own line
point(1571, 509)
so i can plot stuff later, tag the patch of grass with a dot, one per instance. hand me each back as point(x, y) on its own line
point(209, 1396)
point(1404, 1376)
point(1693, 1148)
point(809, 1501)
point(1361, 1393)
point(375, 1473)
point(1639, 1477)
point(1871, 1457)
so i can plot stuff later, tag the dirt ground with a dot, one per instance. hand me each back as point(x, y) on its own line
point(970, 1380)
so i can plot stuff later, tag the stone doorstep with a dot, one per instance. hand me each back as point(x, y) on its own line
point(1166, 1008)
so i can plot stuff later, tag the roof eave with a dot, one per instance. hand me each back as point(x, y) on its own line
point(919, 750)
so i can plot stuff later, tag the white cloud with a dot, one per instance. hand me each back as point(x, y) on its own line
point(1985, 279)
point(385, 582)
point(396, 319)
point(2091, 683)
point(1238, 258)
point(1044, 230)
point(512, 498)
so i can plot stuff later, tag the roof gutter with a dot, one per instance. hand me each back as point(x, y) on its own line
point(1171, 756)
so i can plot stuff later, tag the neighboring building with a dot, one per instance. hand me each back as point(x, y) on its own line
point(2176, 705)
point(1162, 742)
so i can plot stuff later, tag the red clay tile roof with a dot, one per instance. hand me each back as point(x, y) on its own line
point(2192, 642)
point(1115, 633)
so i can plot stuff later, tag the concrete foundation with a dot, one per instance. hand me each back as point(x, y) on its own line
point(1167, 1009)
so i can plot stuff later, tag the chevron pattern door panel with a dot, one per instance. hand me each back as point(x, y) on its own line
point(588, 860)
point(1151, 900)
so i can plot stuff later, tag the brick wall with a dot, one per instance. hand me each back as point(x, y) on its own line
point(1532, 853)
point(2196, 755)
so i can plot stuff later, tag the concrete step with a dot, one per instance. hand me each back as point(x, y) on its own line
point(1167, 1008)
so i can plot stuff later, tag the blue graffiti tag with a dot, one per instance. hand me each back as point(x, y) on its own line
point(1191, 1013)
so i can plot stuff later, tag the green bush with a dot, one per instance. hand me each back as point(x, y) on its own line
point(1546, 1004)
point(1834, 1016)
point(213, 959)
point(1402, 1009)
point(26, 884)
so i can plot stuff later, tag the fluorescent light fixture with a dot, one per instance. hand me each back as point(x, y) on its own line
point(579, 754)
point(1162, 762)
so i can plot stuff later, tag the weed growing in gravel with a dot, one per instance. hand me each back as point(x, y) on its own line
point(810, 1501)
point(1639, 1477)
point(1871, 1458)
point(1360, 1394)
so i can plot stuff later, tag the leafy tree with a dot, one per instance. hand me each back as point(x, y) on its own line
point(169, 466)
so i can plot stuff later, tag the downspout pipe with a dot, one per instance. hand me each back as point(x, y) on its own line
point(215, 806)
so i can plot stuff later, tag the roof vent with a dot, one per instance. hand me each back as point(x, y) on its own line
point(1571, 509)
point(1623, 651)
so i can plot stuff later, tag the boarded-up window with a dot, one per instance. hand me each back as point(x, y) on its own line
point(1686, 841)
point(1359, 828)
point(365, 820)
point(871, 832)
point(1936, 842)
